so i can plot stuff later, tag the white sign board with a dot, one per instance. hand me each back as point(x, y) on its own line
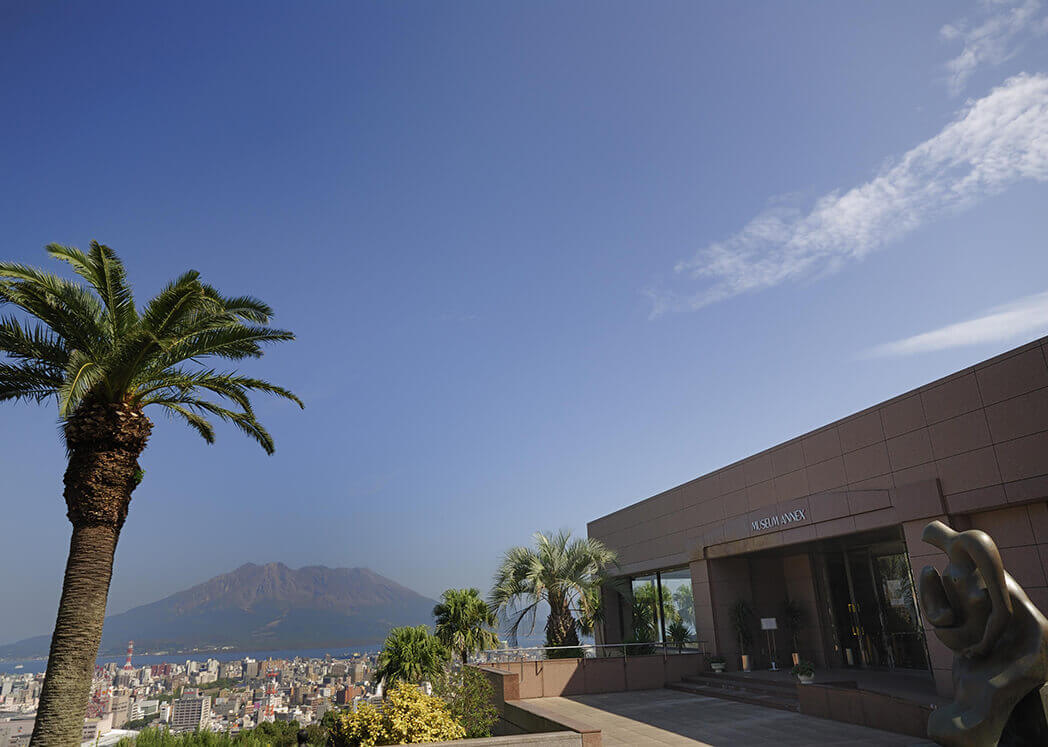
point(768, 623)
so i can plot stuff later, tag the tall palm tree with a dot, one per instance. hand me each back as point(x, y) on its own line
point(464, 622)
point(565, 573)
point(104, 360)
point(410, 655)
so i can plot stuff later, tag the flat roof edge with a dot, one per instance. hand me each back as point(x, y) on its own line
point(1041, 341)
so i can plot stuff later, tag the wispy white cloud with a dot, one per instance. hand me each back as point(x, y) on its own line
point(1027, 317)
point(995, 38)
point(994, 142)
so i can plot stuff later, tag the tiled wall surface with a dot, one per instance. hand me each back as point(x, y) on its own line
point(981, 433)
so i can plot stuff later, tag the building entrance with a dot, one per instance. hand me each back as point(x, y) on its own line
point(873, 606)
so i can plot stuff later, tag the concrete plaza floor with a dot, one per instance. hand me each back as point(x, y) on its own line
point(646, 718)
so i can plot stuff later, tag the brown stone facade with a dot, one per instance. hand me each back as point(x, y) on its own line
point(970, 449)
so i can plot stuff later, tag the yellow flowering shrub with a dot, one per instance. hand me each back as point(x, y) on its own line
point(408, 716)
point(360, 728)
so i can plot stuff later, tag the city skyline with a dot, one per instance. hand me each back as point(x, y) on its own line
point(516, 285)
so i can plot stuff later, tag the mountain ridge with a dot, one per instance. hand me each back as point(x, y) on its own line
point(268, 606)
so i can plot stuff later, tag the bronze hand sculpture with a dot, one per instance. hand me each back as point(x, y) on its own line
point(1000, 644)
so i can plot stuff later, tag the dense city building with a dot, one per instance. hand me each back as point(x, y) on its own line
point(185, 697)
point(190, 713)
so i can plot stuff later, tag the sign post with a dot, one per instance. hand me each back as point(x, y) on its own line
point(769, 625)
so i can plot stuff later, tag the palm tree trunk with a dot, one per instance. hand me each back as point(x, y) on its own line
point(78, 633)
point(104, 442)
point(560, 627)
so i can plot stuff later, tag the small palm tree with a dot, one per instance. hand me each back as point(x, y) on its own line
point(464, 622)
point(104, 360)
point(741, 616)
point(678, 632)
point(793, 620)
point(411, 655)
point(565, 573)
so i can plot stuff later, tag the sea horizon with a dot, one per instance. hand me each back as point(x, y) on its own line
point(38, 665)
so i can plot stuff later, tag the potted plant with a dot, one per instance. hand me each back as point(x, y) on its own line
point(717, 663)
point(742, 622)
point(793, 621)
point(679, 633)
point(804, 671)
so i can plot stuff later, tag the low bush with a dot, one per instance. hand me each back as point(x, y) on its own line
point(408, 716)
point(275, 734)
point(470, 698)
point(803, 668)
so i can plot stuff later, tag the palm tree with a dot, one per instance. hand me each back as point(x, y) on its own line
point(464, 622)
point(104, 360)
point(565, 573)
point(410, 655)
point(678, 632)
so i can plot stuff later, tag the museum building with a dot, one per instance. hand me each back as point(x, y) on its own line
point(832, 521)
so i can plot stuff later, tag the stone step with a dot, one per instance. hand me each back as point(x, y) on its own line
point(739, 695)
point(732, 681)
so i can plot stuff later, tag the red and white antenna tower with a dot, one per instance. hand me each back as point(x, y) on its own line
point(130, 650)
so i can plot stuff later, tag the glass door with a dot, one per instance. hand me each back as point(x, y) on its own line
point(903, 630)
point(874, 608)
point(844, 611)
point(866, 610)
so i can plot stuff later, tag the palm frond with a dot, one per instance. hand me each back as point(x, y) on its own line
point(197, 422)
point(81, 375)
point(229, 385)
point(28, 381)
point(173, 305)
point(246, 308)
point(104, 271)
point(234, 342)
point(70, 310)
point(90, 343)
point(31, 343)
point(563, 572)
point(463, 622)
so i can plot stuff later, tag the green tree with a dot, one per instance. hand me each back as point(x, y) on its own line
point(464, 622)
point(140, 723)
point(86, 345)
point(411, 655)
point(643, 613)
point(277, 733)
point(563, 572)
point(223, 683)
point(318, 734)
point(644, 606)
point(470, 698)
point(685, 603)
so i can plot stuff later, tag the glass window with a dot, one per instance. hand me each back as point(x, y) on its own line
point(678, 606)
point(647, 624)
point(662, 608)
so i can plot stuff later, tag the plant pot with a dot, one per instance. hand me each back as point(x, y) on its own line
point(796, 658)
point(717, 666)
point(746, 662)
point(806, 679)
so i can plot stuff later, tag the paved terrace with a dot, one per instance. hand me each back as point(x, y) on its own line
point(647, 718)
point(916, 686)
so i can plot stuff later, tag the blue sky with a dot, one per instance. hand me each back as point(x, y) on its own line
point(543, 259)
